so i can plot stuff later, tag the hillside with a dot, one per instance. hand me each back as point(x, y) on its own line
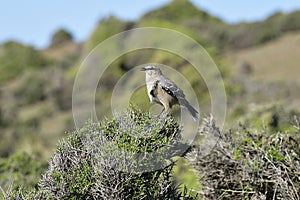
point(259, 63)
point(275, 61)
point(36, 85)
point(273, 71)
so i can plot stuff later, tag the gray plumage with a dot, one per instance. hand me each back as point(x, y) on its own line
point(165, 92)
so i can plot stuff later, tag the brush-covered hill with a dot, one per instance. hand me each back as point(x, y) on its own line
point(262, 92)
point(36, 85)
point(180, 11)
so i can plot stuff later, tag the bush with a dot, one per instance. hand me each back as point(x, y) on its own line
point(1, 117)
point(291, 22)
point(250, 164)
point(21, 169)
point(123, 158)
point(15, 58)
point(31, 88)
point(106, 28)
point(60, 37)
point(179, 10)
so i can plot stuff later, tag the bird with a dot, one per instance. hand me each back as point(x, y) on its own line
point(165, 92)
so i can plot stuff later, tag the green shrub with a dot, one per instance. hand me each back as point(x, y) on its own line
point(8, 143)
point(1, 117)
point(267, 33)
point(21, 170)
point(179, 10)
point(291, 22)
point(15, 58)
point(61, 36)
point(250, 164)
point(106, 28)
point(31, 88)
point(127, 157)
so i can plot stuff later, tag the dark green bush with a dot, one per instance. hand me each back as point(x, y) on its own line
point(179, 10)
point(106, 28)
point(15, 58)
point(31, 88)
point(291, 22)
point(1, 117)
point(21, 170)
point(61, 36)
point(8, 143)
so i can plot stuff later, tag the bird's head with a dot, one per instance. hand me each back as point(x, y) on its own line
point(151, 70)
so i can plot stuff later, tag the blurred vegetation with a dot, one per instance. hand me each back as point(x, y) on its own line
point(21, 170)
point(106, 28)
point(36, 85)
point(223, 35)
point(60, 37)
point(174, 12)
point(15, 58)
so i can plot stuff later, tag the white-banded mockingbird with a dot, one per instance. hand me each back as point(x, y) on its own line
point(165, 92)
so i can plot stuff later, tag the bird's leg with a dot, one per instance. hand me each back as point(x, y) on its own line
point(161, 112)
point(168, 111)
point(165, 111)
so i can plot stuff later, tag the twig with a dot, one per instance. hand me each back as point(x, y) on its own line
point(238, 191)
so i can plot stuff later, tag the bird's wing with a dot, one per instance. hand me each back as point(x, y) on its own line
point(171, 88)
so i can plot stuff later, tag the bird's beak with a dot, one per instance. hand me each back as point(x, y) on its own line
point(143, 69)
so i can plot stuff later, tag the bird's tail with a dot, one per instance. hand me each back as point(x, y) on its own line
point(190, 108)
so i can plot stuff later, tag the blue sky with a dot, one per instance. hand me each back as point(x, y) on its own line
point(34, 21)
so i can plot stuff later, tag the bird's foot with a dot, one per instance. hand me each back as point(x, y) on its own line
point(163, 115)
